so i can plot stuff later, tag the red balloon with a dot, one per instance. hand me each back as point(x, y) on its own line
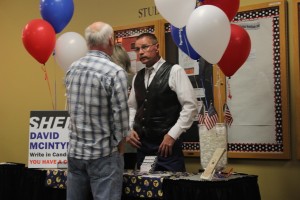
point(236, 52)
point(229, 7)
point(38, 38)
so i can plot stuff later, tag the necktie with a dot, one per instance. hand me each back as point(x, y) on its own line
point(149, 70)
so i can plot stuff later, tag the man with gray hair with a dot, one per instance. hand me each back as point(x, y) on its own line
point(97, 103)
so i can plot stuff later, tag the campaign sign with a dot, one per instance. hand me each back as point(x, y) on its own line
point(48, 139)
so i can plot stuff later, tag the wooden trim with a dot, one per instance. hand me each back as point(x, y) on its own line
point(296, 74)
point(191, 153)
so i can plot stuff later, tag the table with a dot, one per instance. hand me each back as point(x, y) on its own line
point(235, 187)
point(177, 186)
point(135, 185)
point(18, 182)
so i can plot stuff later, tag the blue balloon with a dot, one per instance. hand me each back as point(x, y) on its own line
point(180, 39)
point(57, 12)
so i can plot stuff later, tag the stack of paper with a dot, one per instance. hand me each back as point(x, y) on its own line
point(148, 164)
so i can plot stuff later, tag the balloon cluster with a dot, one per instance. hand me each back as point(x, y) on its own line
point(205, 30)
point(39, 35)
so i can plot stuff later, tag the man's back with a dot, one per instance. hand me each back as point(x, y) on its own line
point(90, 84)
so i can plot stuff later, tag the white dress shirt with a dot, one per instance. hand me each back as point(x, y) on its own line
point(181, 85)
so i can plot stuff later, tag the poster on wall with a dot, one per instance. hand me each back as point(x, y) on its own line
point(48, 139)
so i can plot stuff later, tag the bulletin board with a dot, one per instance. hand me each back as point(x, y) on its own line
point(296, 42)
point(257, 93)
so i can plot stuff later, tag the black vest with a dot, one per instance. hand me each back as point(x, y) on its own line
point(158, 107)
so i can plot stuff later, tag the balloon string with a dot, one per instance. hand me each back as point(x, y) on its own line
point(66, 102)
point(55, 91)
point(218, 84)
point(220, 96)
point(180, 37)
point(186, 44)
point(49, 88)
point(197, 86)
point(229, 90)
point(202, 83)
point(206, 103)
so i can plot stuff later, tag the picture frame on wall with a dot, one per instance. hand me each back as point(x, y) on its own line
point(296, 42)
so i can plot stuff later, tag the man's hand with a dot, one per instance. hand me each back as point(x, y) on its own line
point(121, 147)
point(134, 139)
point(165, 148)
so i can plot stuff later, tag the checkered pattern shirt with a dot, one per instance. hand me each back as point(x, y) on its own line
point(97, 103)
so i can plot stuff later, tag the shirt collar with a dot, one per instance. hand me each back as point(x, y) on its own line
point(97, 53)
point(157, 65)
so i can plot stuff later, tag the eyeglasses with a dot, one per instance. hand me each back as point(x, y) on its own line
point(143, 48)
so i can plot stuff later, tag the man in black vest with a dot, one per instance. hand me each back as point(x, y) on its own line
point(162, 106)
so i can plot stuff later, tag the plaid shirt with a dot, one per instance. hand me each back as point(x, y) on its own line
point(97, 103)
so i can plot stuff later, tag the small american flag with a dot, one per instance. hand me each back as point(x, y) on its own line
point(201, 115)
point(211, 117)
point(227, 115)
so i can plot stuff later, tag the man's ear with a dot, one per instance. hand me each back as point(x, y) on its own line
point(111, 41)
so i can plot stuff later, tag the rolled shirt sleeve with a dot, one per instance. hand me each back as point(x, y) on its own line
point(180, 83)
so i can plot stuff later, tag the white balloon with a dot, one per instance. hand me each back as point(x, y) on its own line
point(176, 12)
point(69, 47)
point(208, 31)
